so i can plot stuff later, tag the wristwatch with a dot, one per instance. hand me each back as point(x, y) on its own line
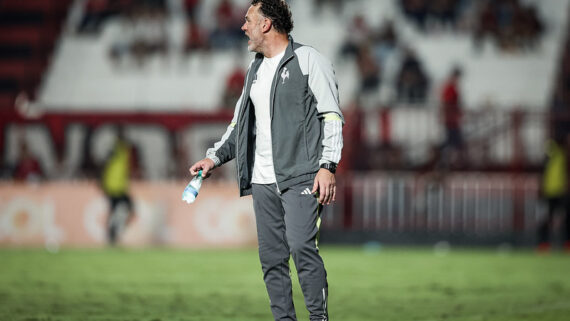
point(331, 167)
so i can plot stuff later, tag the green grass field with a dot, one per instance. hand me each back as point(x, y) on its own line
point(211, 285)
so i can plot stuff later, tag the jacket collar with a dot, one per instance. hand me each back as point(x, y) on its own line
point(288, 51)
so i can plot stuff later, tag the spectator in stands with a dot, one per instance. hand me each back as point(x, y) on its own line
point(27, 167)
point(225, 36)
point(192, 7)
point(554, 190)
point(123, 38)
point(358, 34)
point(508, 15)
point(337, 5)
point(119, 167)
point(225, 11)
point(384, 42)
point(150, 33)
point(511, 25)
point(368, 69)
point(532, 27)
point(412, 81)
point(387, 35)
point(95, 14)
point(416, 10)
point(451, 112)
point(142, 32)
point(234, 85)
point(487, 24)
point(444, 12)
point(196, 39)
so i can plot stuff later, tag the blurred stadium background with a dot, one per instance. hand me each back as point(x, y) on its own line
point(426, 160)
point(170, 72)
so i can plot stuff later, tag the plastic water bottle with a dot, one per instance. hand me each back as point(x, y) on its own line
point(191, 191)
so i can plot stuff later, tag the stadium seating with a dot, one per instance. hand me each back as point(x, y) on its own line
point(82, 78)
point(28, 31)
point(169, 84)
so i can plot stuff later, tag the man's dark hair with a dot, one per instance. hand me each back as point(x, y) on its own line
point(279, 13)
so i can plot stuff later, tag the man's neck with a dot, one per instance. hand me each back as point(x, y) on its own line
point(276, 44)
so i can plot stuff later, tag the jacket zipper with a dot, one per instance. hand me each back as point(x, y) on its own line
point(272, 109)
point(243, 102)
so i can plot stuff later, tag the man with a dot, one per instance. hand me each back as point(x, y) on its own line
point(452, 114)
point(115, 185)
point(554, 190)
point(286, 136)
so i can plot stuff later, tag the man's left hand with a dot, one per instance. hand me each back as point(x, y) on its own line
point(325, 184)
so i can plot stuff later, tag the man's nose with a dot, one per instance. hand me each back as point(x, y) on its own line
point(243, 27)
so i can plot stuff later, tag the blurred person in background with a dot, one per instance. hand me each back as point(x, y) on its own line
point(123, 37)
point(451, 112)
point(150, 34)
point(97, 12)
point(443, 13)
point(286, 136)
point(368, 69)
point(142, 32)
point(94, 15)
point(117, 171)
point(511, 25)
point(416, 10)
point(487, 24)
point(226, 34)
point(27, 168)
point(412, 82)
point(196, 39)
point(337, 5)
point(192, 8)
point(554, 190)
point(385, 42)
point(234, 85)
point(358, 34)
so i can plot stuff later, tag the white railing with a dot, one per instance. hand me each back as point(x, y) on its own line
point(458, 203)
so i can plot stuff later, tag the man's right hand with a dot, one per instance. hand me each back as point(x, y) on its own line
point(206, 165)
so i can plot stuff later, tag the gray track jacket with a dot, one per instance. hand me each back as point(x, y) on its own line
point(306, 121)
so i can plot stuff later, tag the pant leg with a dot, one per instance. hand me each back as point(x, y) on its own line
point(567, 220)
point(273, 250)
point(112, 227)
point(302, 223)
point(545, 227)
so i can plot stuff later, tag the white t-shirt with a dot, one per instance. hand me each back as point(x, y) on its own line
point(263, 171)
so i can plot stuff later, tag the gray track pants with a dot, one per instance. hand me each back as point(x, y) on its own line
point(287, 224)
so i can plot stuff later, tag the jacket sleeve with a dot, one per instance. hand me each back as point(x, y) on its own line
point(324, 86)
point(332, 138)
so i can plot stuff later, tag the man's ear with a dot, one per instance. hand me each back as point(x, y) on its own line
point(267, 23)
